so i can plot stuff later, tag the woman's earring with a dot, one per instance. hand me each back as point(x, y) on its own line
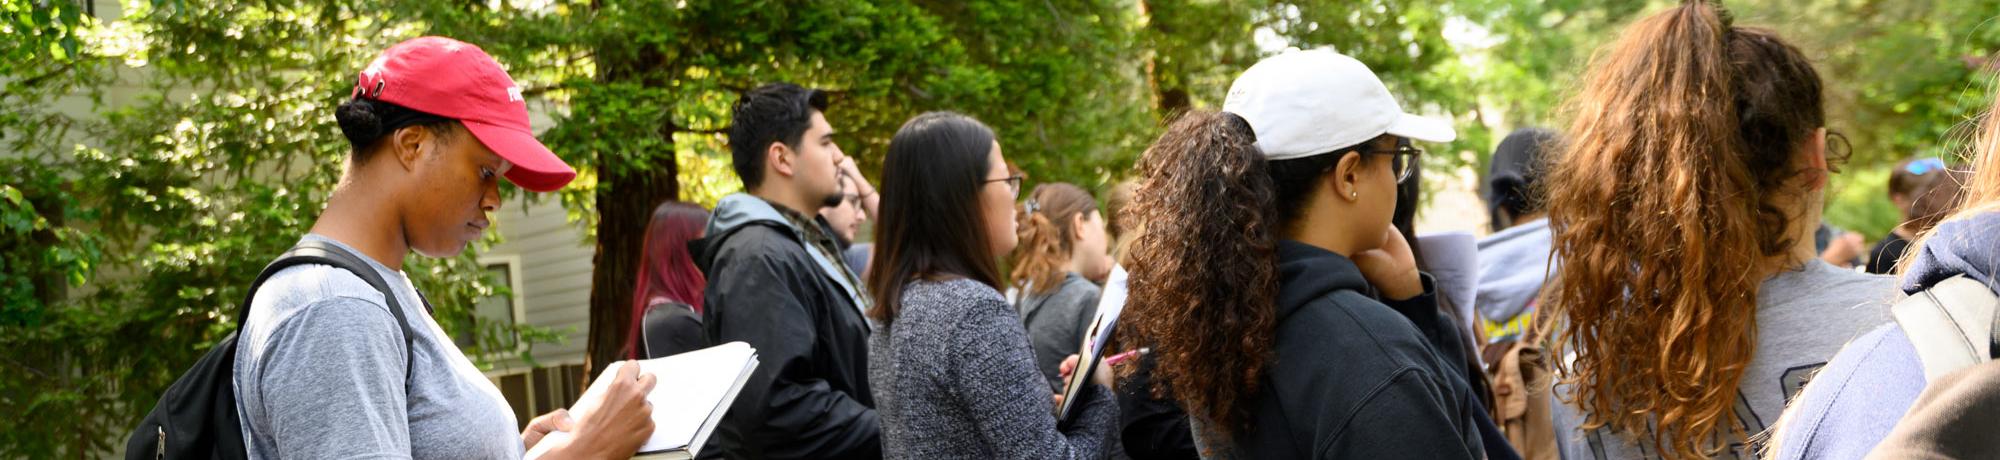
point(1353, 194)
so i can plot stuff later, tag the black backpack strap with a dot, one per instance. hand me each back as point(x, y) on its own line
point(314, 252)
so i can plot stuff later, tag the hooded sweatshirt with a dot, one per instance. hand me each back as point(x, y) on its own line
point(1851, 406)
point(775, 281)
point(1350, 377)
point(1513, 265)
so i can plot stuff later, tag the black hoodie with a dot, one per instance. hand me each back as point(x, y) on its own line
point(1349, 376)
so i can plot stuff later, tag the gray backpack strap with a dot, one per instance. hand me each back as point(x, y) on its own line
point(1951, 325)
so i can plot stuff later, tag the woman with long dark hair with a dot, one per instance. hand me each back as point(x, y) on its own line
point(1683, 205)
point(669, 279)
point(952, 372)
point(1264, 278)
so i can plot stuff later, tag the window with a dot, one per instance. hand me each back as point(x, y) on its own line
point(503, 309)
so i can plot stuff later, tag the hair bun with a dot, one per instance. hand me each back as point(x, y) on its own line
point(358, 121)
point(1510, 192)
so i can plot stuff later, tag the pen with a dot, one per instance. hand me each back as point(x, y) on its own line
point(1122, 357)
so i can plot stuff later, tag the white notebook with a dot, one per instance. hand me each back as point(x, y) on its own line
point(694, 390)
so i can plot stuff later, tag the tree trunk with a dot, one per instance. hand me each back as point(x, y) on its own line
point(624, 206)
point(1168, 103)
point(626, 196)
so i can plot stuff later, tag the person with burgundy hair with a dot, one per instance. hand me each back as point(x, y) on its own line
point(668, 279)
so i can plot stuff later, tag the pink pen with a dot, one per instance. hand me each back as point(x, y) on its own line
point(1122, 357)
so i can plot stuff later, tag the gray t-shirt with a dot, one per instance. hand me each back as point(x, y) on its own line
point(1803, 318)
point(320, 367)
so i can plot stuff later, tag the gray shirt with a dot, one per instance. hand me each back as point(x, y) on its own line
point(320, 373)
point(1056, 322)
point(953, 378)
point(1803, 318)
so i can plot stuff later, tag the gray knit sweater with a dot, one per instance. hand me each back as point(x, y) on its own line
point(954, 378)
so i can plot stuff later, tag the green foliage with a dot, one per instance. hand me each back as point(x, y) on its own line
point(39, 34)
point(1858, 201)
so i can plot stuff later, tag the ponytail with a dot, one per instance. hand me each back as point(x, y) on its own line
point(1204, 281)
point(1665, 209)
point(1048, 235)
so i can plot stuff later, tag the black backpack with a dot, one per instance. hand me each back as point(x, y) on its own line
point(196, 418)
point(669, 328)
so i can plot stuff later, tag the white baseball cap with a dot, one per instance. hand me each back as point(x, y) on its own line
point(1305, 103)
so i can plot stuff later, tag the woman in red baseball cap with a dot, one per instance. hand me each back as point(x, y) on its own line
point(324, 367)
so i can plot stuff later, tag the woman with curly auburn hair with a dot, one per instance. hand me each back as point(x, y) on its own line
point(1268, 281)
point(1683, 206)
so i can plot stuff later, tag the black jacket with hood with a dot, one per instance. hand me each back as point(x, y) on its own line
point(809, 397)
point(1349, 376)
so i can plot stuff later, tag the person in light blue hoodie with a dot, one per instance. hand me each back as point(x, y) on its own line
point(1849, 407)
point(1514, 260)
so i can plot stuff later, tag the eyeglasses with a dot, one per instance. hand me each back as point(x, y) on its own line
point(1403, 160)
point(1013, 184)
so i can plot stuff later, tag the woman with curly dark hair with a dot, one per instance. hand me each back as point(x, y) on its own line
point(1268, 280)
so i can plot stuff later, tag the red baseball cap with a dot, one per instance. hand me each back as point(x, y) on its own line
point(457, 80)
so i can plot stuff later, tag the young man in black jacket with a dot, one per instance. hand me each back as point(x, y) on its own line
point(776, 281)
